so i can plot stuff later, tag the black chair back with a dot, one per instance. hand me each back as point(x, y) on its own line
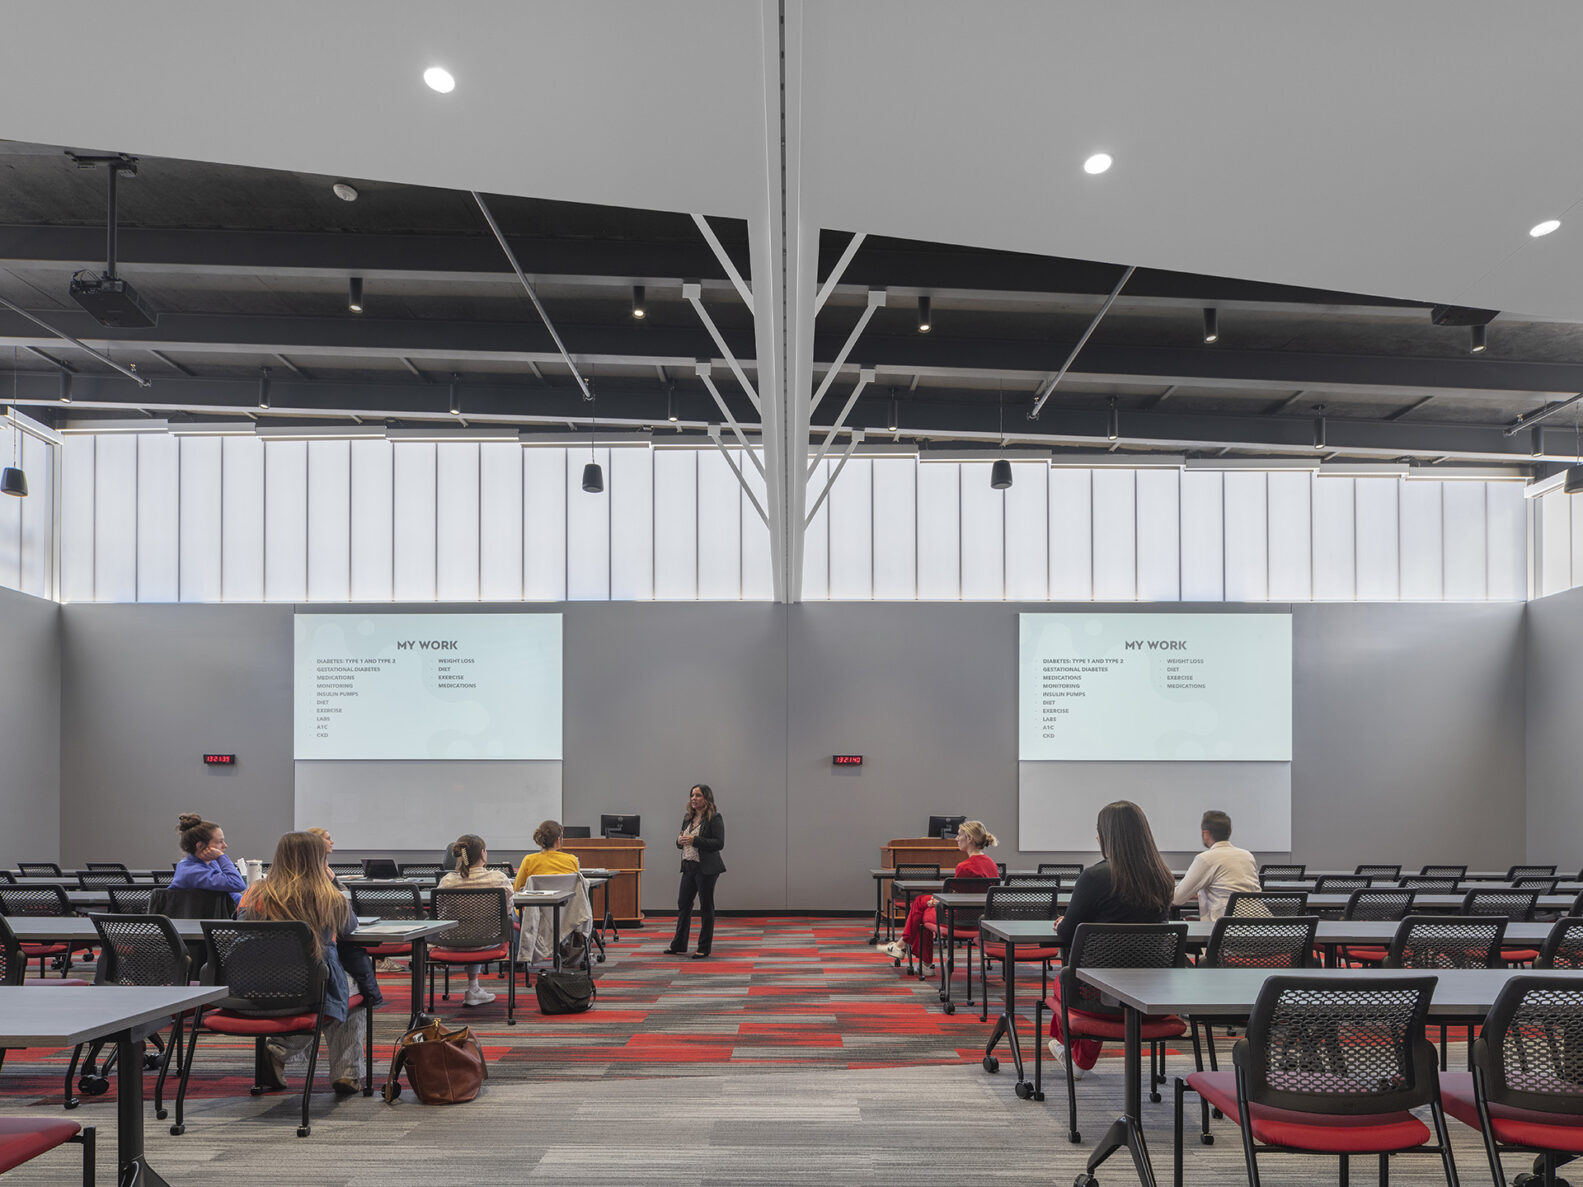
point(270, 966)
point(1535, 884)
point(38, 869)
point(483, 916)
point(1529, 1052)
point(140, 950)
point(1517, 872)
point(132, 900)
point(1382, 903)
point(1283, 942)
point(1425, 885)
point(505, 867)
point(912, 872)
point(1035, 881)
point(342, 868)
point(1020, 901)
point(1563, 947)
point(388, 900)
point(35, 901)
point(1379, 871)
point(7, 877)
point(13, 965)
point(1068, 870)
point(966, 918)
point(185, 902)
point(1289, 872)
point(163, 877)
point(1340, 883)
point(431, 870)
point(1444, 871)
point(1515, 905)
point(1352, 1048)
point(1118, 946)
point(115, 866)
point(1447, 942)
point(1264, 903)
point(94, 879)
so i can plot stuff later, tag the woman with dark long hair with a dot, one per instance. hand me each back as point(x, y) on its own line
point(702, 837)
point(1131, 885)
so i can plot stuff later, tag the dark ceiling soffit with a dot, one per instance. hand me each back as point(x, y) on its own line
point(644, 404)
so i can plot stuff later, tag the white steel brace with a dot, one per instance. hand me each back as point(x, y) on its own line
point(865, 376)
point(838, 271)
point(876, 298)
point(693, 291)
point(714, 435)
point(725, 260)
point(855, 440)
point(703, 368)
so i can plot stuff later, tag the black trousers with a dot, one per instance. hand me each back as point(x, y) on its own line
point(701, 887)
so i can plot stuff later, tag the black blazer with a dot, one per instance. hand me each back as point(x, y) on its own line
point(710, 841)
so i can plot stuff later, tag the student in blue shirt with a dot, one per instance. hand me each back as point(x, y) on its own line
point(206, 867)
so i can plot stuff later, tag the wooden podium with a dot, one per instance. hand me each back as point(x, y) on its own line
point(920, 851)
point(625, 890)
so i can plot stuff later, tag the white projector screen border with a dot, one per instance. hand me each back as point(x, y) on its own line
point(1058, 802)
point(410, 805)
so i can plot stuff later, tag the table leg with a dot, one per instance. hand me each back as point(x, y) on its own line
point(1006, 1025)
point(1127, 1130)
point(555, 937)
point(135, 1171)
point(878, 883)
point(946, 954)
point(416, 963)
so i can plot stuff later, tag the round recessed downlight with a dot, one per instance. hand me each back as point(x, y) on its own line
point(1542, 229)
point(344, 192)
point(439, 79)
point(1098, 163)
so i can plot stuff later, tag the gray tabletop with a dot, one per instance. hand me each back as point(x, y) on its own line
point(33, 1016)
point(1330, 931)
point(1458, 992)
point(37, 929)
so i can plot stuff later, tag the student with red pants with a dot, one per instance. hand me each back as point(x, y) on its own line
point(1132, 885)
point(972, 838)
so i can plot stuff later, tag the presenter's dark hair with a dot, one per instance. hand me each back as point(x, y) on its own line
point(1217, 825)
point(469, 849)
point(1138, 873)
point(195, 831)
point(709, 799)
point(547, 834)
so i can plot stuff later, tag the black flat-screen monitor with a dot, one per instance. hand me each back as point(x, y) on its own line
point(380, 867)
point(620, 826)
point(577, 830)
point(944, 827)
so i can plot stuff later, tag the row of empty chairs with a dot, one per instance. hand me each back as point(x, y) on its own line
point(1298, 872)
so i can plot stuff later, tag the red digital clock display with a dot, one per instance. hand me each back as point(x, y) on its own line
point(219, 760)
point(847, 760)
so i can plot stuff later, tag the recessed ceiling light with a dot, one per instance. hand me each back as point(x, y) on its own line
point(1097, 163)
point(344, 192)
point(439, 79)
point(1544, 228)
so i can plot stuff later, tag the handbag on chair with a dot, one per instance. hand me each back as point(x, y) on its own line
point(444, 1067)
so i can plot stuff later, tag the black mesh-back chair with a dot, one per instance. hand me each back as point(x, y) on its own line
point(1277, 872)
point(163, 877)
point(1283, 942)
point(1379, 871)
point(277, 987)
point(483, 935)
point(1084, 1012)
point(131, 900)
point(1261, 904)
point(1433, 942)
point(41, 902)
point(1577, 906)
point(901, 901)
point(1563, 947)
point(96, 879)
point(1341, 883)
point(115, 866)
point(1536, 883)
point(183, 902)
point(1525, 1092)
point(1516, 905)
point(342, 868)
point(505, 867)
point(38, 869)
point(7, 877)
point(433, 871)
point(135, 950)
point(1068, 870)
point(1333, 1068)
point(1444, 871)
point(1381, 904)
point(1017, 901)
point(1517, 872)
point(1027, 881)
point(13, 962)
point(964, 930)
point(1428, 884)
point(388, 900)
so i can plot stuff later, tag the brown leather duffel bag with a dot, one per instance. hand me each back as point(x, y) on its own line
point(444, 1067)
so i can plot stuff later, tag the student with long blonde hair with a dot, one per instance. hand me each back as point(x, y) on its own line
point(473, 872)
point(299, 887)
point(972, 838)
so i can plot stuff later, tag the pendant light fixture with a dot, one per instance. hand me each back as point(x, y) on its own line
point(1000, 472)
point(13, 481)
point(593, 476)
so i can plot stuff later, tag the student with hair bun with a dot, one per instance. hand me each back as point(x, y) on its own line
point(550, 859)
point(472, 872)
point(206, 867)
point(972, 838)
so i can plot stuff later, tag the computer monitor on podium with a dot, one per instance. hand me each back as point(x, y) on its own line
point(573, 831)
point(622, 826)
point(944, 827)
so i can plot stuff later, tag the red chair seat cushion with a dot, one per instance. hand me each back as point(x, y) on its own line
point(1519, 955)
point(378, 950)
point(1366, 954)
point(56, 982)
point(25, 1138)
point(34, 951)
point(1380, 1133)
point(470, 955)
point(226, 1023)
point(1107, 1026)
point(996, 950)
point(1513, 1127)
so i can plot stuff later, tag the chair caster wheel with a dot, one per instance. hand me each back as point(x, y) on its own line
point(600, 959)
point(1073, 1136)
point(511, 1021)
point(161, 1114)
point(991, 1064)
point(1206, 1139)
point(950, 1007)
point(94, 1085)
point(1154, 1097)
point(71, 1102)
point(895, 964)
point(1085, 1180)
point(303, 1131)
point(1037, 1096)
point(1025, 1091)
point(177, 1130)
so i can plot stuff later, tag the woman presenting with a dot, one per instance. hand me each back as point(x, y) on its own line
point(702, 838)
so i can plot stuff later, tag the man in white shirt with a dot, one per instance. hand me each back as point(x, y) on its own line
point(1218, 871)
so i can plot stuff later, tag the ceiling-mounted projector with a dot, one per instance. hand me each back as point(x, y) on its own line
point(111, 301)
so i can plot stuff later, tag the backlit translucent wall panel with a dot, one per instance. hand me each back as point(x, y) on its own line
point(1378, 567)
point(1159, 535)
point(456, 512)
point(414, 508)
point(202, 536)
point(816, 539)
point(939, 528)
point(758, 574)
point(1464, 531)
point(1290, 534)
point(1334, 540)
point(79, 476)
point(329, 521)
point(719, 528)
point(544, 523)
point(1554, 541)
point(242, 519)
point(587, 530)
point(115, 519)
point(1422, 541)
point(983, 548)
point(631, 484)
point(1203, 507)
point(1115, 536)
point(373, 521)
point(1506, 522)
point(1247, 536)
point(158, 523)
point(500, 521)
point(285, 521)
point(676, 524)
point(27, 525)
point(1071, 535)
point(1027, 519)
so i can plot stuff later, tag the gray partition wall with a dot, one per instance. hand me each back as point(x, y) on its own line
point(1554, 738)
point(29, 729)
point(1408, 727)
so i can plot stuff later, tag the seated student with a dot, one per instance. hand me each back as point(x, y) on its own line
point(354, 957)
point(1218, 871)
point(972, 838)
point(1131, 885)
point(472, 872)
point(299, 887)
point(549, 837)
point(206, 867)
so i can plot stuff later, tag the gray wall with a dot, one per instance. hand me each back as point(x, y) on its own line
point(1555, 741)
point(1408, 719)
point(29, 729)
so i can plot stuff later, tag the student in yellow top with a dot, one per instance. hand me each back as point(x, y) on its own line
point(549, 837)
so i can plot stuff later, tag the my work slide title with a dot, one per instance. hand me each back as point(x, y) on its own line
point(1157, 644)
point(426, 644)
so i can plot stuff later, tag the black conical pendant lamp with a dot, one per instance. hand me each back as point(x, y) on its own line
point(1000, 474)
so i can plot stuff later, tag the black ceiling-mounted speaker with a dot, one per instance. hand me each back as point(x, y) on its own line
point(1573, 482)
point(1000, 475)
point(593, 479)
point(13, 482)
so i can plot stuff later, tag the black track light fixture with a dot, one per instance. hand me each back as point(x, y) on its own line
point(670, 403)
point(1477, 340)
point(1211, 326)
point(65, 387)
point(456, 394)
point(1319, 427)
point(925, 315)
point(1112, 421)
point(263, 388)
point(893, 417)
point(639, 305)
point(354, 294)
